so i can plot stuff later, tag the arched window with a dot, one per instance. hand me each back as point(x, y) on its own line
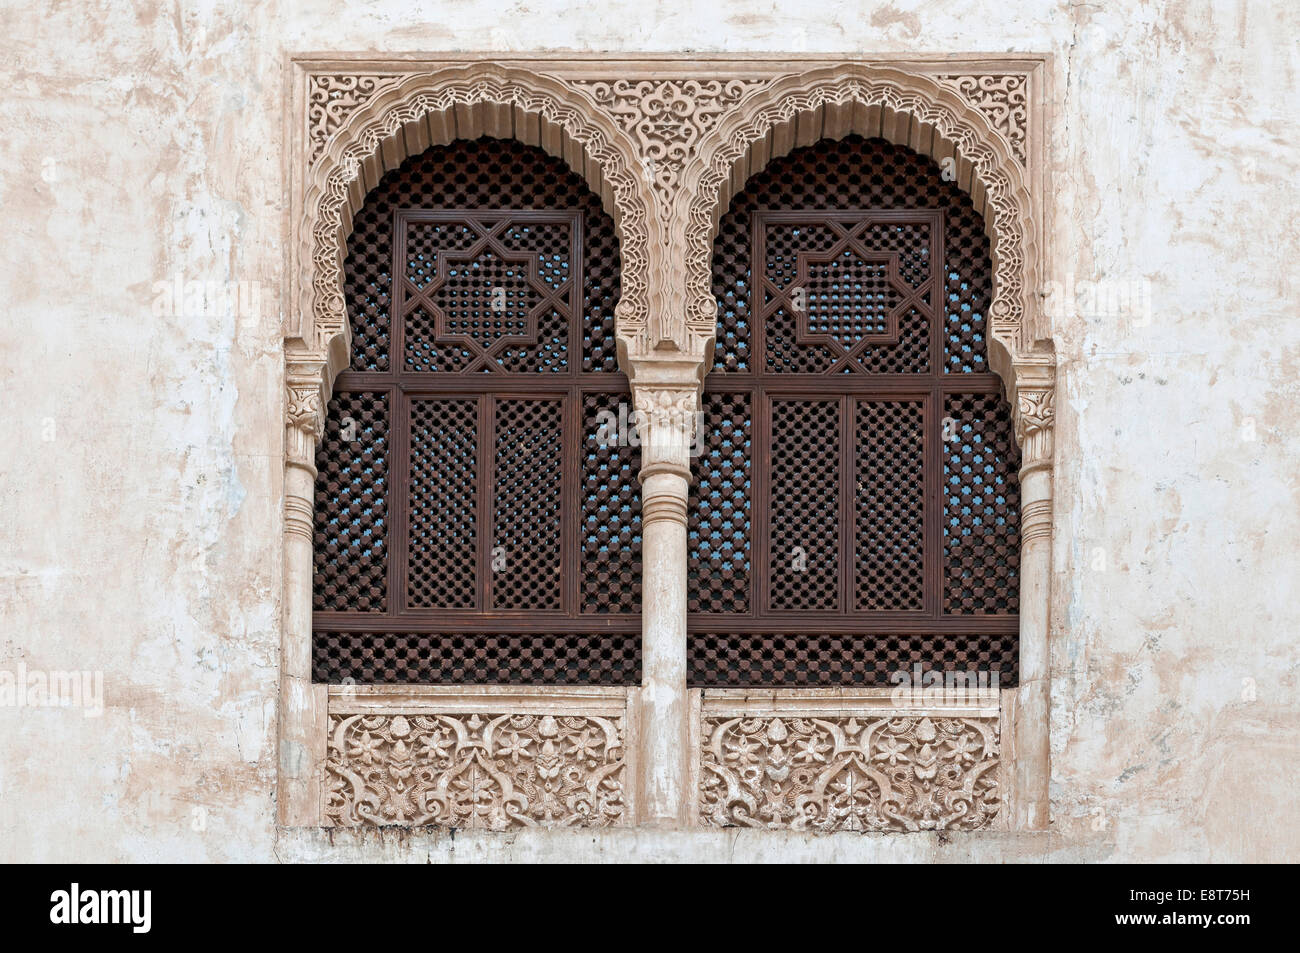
point(855, 507)
point(472, 524)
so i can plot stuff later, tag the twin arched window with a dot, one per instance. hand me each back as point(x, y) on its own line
point(855, 503)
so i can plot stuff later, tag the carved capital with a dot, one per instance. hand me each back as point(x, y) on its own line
point(1035, 421)
point(304, 416)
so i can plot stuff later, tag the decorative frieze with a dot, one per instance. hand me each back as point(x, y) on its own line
point(824, 769)
point(475, 762)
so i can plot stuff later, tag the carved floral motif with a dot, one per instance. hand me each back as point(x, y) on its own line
point(845, 773)
point(491, 771)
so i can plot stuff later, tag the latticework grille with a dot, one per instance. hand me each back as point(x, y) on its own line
point(799, 658)
point(718, 531)
point(804, 506)
point(351, 544)
point(481, 280)
point(853, 174)
point(477, 658)
point(529, 485)
point(880, 489)
point(610, 530)
point(483, 174)
point(443, 481)
point(890, 505)
point(981, 507)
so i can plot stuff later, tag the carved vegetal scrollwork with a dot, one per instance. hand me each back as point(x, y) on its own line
point(488, 771)
point(847, 773)
point(331, 98)
point(667, 119)
point(1004, 98)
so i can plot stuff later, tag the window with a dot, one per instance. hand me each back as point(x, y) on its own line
point(855, 504)
point(473, 525)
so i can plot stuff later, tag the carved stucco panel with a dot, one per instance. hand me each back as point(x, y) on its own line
point(825, 773)
point(486, 770)
point(332, 97)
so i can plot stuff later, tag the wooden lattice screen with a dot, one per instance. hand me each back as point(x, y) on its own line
point(855, 509)
point(474, 524)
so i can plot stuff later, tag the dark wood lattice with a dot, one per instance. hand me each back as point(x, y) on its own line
point(481, 280)
point(351, 544)
point(803, 508)
point(889, 571)
point(719, 506)
point(874, 516)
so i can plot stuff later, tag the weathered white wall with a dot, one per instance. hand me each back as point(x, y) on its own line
point(139, 474)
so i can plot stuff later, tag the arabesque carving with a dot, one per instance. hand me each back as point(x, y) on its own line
point(1004, 99)
point(667, 118)
point(822, 773)
point(477, 770)
point(331, 98)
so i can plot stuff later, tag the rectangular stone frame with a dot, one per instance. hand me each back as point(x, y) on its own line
point(306, 708)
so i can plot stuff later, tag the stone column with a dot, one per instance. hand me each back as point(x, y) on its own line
point(302, 705)
point(1032, 765)
point(665, 422)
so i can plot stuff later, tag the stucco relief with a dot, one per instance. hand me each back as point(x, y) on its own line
point(1004, 99)
point(332, 98)
point(824, 773)
point(667, 118)
point(484, 770)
